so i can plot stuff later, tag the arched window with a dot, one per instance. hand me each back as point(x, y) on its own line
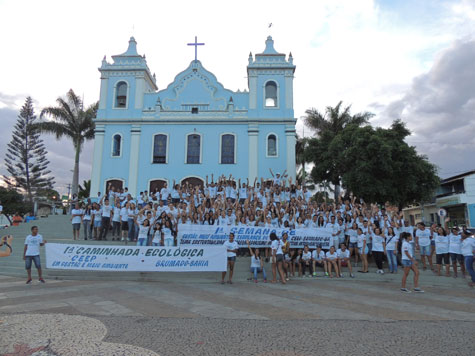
point(156, 185)
point(117, 183)
point(121, 95)
point(159, 148)
point(193, 149)
point(228, 149)
point(116, 145)
point(271, 94)
point(272, 145)
point(193, 181)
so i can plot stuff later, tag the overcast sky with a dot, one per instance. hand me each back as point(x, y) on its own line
point(409, 59)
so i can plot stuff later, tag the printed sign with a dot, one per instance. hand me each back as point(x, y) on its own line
point(442, 213)
point(197, 235)
point(135, 258)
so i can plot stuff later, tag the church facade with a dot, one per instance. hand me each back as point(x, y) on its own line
point(145, 137)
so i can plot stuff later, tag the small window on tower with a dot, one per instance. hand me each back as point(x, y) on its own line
point(271, 146)
point(116, 145)
point(121, 95)
point(194, 110)
point(271, 94)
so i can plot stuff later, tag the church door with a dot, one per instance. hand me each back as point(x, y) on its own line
point(116, 183)
point(156, 185)
point(194, 181)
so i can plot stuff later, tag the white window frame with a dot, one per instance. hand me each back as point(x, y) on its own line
point(121, 144)
point(264, 95)
point(221, 145)
point(153, 145)
point(276, 145)
point(201, 146)
point(114, 98)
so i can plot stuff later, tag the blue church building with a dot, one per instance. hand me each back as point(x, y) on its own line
point(145, 137)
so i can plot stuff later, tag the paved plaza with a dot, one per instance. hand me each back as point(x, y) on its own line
point(78, 313)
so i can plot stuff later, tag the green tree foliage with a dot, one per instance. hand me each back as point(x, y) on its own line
point(72, 121)
point(300, 147)
point(25, 159)
point(378, 165)
point(85, 189)
point(13, 202)
point(49, 194)
point(327, 126)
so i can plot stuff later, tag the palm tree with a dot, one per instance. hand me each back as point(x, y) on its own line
point(334, 121)
point(72, 121)
point(329, 125)
point(300, 145)
point(85, 189)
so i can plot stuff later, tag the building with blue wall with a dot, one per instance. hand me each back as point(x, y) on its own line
point(194, 127)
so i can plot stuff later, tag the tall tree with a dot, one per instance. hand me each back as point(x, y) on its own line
point(327, 126)
point(25, 159)
point(72, 121)
point(381, 167)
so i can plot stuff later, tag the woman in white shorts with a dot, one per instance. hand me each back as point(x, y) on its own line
point(409, 263)
point(363, 250)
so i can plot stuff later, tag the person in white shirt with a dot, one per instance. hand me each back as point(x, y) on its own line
point(144, 228)
point(96, 220)
point(379, 248)
point(423, 243)
point(318, 260)
point(232, 248)
point(353, 241)
point(86, 220)
point(468, 251)
point(363, 249)
point(455, 252)
point(167, 233)
point(344, 260)
point(392, 239)
point(157, 236)
point(106, 210)
point(332, 261)
point(164, 194)
point(116, 222)
point(31, 253)
point(306, 261)
point(124, 221)
point(409, 263)
point(76, 220)
point(277, 258)
point(257, 263)
point(441, 249)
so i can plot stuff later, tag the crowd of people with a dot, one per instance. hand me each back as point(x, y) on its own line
point(359, 230)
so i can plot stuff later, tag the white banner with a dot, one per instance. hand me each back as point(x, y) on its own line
point(257, 236)
point(135, 258)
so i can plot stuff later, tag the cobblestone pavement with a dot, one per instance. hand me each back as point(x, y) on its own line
point(306, 317)
point(77, 313)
